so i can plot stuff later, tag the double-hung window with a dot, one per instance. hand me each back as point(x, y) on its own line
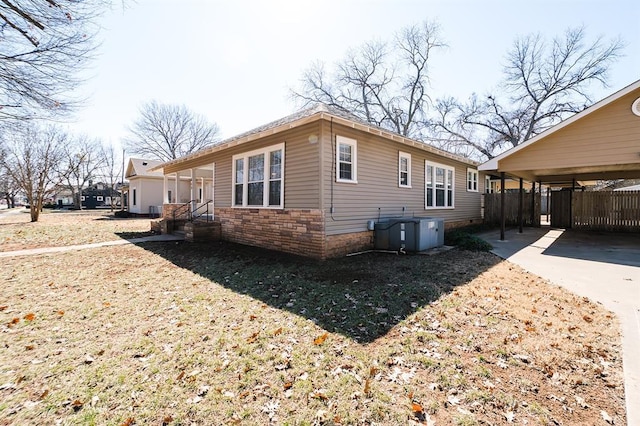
point(404, 170)
point(346, 160)
point(258, 178)
point(472, 180)
point(439, 186)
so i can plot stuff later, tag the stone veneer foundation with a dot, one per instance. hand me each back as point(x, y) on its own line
point(298, 231)
point(295, 231)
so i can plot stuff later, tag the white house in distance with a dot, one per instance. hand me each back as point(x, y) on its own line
point(146, 188)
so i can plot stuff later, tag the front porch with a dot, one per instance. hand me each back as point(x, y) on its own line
point(188, 204)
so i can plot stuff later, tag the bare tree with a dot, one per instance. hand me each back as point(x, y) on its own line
point(544, 83)
point(9, 188)
point(32, 155)
point(80, 160)
point(166, 132)
point(385, 84)
point(110, 170)
point(45, 43)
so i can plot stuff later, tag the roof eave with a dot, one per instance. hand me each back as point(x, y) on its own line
point(494, 163)
point(320, 115)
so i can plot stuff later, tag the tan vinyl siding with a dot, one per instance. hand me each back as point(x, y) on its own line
point(377, 192)
point(301, 167)
point(608, 136)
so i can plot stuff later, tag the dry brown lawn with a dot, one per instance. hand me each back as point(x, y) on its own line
point(181, 334)
point(59, 228)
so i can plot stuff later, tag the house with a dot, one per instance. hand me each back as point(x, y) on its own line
point(146, 186)
point(600, 143)
point(313, 183)
point(95, 195)
point(99, 195)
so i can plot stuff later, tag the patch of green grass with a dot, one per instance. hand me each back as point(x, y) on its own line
point(465, 240)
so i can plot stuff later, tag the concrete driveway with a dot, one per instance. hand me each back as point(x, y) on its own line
point(605, 267)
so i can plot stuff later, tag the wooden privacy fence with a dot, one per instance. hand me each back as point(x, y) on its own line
point(492, 209)
point(606, 210)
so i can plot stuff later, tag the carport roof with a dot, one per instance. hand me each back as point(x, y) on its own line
point(600, 143)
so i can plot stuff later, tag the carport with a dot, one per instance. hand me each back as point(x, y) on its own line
point(600, 143)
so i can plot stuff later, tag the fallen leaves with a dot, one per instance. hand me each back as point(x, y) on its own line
point(77, 405)
point(320, 339)
point(253, 337)
point(30, 317)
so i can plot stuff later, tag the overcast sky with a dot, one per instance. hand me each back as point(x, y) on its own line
point(234, 61)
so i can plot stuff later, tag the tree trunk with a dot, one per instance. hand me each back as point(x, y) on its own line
point(35, 211)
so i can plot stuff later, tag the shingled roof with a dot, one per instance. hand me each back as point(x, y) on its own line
point(322, 111)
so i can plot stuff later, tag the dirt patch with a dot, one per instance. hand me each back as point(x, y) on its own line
point(178, 333)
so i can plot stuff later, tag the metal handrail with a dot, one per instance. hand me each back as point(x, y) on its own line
point(204, 209)
point(183, 212)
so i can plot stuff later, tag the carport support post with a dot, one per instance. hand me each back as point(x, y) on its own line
point(502, 215)
point(548, 200)
point(533, 202)
point(520, 207)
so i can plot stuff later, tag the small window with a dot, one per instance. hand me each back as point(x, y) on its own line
point(169, 196)
point(199, 195)
point(82, 198)
point(404, 170)
point(472, 180)
point(346, 160)
point(258, 178)
point(439, 186)
point(135, 198)
point(487, 184)
point(99, 198)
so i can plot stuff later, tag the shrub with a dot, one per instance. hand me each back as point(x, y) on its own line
point(463, 239)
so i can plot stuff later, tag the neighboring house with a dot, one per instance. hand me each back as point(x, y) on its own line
point(629, 188)
point(93, 196)
point(99, 195)
point(145, 190)
point(63, 196)
point(314, 182)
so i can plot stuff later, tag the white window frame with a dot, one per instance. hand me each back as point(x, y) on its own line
point(99, 198)
point(341, 140)
point(447, 186)
point(406, 156)
point(487, 184)
point(473, 182)
point(266, 179)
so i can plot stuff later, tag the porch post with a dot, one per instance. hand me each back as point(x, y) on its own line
point(502, 201)
point(177, 187)
point(165, 190)
point(194, 189)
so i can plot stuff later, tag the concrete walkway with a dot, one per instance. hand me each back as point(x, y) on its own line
point(605, 267)
point(44, 250)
